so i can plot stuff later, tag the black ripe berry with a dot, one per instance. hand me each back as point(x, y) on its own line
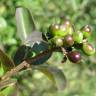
point(74, 56)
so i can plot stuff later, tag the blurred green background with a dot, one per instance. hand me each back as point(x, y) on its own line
point(81, 77)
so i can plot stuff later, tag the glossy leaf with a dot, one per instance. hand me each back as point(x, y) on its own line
point(39, 48)
point(34, 40)
point(6, 61)
point(21, 54)
point(55, 75)
point(32, 44)
point(25, 23)
point(25, 52)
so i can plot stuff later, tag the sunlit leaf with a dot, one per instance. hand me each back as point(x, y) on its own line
point(7, 83)
point(1, 94)
point(55, 75)
point(3, 24)
point(25, 23)
point(6, 61)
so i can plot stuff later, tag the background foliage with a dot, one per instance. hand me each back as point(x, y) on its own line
point(81, 77)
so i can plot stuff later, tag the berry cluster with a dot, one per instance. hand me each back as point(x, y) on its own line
point(64, 35)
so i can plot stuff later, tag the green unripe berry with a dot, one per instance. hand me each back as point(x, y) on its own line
point(68, 40)
point(56, 30)
point(63, 30)
point(58, 41)
point(67, 26)
point(78, 37)
point(53, 29)
point(86, 30)
point(66, 22)
point(88, 49)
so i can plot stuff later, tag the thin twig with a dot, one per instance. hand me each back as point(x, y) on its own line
point(15, 70)
point(8, 82)
point(27, 63)
point(44, 53)
point(63, 50)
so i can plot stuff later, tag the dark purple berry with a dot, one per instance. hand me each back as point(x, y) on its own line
point(68, 40)
point(74, 56)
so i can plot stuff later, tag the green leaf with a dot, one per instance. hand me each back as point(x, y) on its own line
point(33, 44)
point(26, 52)
point(7, 83)
point(25, 23)
point(39, 48)
point(3, 24)
point(21, 54)
point(6, 61)
point(1, 94)
point(55, 75)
